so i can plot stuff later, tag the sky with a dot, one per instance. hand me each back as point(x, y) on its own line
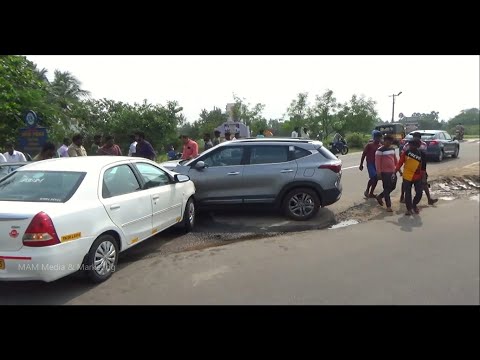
point(445, 83)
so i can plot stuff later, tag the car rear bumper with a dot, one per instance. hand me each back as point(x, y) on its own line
point(44, 263)
point(331, 196)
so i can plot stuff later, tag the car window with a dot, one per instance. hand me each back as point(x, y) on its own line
point(40, 186)
point(299, 153)
point(440, 136)
point(119, 180)
point(227, 156)
point(447, 136)
point(152, 175)
point(268, 154)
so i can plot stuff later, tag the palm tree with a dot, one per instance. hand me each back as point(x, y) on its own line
point(42, 74)
point(66, 90)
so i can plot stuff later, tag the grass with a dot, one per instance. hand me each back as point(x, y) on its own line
point(471, 136)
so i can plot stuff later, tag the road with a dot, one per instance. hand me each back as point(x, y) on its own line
point(394, 260)
point(154, 252)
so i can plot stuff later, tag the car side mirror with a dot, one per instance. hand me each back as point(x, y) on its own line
point(179, 178)
point(200, 165)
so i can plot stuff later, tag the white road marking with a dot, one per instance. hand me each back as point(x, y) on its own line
point(344, 224)
point(350, 167)
point(280, 223)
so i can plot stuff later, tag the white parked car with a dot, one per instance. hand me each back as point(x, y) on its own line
point(60, 216)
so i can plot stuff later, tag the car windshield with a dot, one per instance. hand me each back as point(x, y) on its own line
point(40, 186)
point(425, 136)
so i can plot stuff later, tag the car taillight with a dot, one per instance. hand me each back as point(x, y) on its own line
point(334, 167)
point(433, 142)
point(40, 232)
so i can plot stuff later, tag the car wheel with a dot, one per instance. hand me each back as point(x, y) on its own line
point(440, 156)
point(102, 259)
point(455, 154)
point(189, 216)
point(301, 204)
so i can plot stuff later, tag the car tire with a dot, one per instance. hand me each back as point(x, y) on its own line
point(440, 156)
point(301, 204)
point(189, 216)
point(103, 248)
point(455, 154)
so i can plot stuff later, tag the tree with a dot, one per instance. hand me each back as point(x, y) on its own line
point(250, 116)
point(428, 121)
point(65, 89)
point(323, 114)
point(21, 89)
point(298, 112)
point(358, 115)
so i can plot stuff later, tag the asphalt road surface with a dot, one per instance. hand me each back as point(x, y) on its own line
point(394, 260)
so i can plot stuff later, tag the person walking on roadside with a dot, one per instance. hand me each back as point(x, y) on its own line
point(216, 139)
point(48, 152)
point(76, 147)
point(13, 155)
point(413, 162)
point(63, 150)
point(132, 149)
point(110, 148)
point(426, 186)
point(208, 142)
point(385, 164)
point(144, 148)
point(190, 148)
point(97, 143)
point(369, 153)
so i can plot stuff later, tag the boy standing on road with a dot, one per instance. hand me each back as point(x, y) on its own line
point(385, 163)
point(414, 168)
point(423, 148)
point(369, 153)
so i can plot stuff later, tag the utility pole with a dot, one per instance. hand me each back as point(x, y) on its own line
point(393, 104)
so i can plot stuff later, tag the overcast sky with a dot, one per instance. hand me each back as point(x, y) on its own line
point(446, 84)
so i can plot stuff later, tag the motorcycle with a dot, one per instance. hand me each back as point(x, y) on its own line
point(339, 147)
point(459, 135)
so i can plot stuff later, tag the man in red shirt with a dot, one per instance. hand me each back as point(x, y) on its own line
point(190, 148)
point(369, 153)
point(109, 148)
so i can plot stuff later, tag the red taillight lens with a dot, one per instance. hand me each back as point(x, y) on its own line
point(434, 142)
point(40, 232)
point(336, 168)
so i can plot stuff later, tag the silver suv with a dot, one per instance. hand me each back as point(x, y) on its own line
point(299, 175)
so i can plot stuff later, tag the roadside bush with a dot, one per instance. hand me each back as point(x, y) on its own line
point(356, 140)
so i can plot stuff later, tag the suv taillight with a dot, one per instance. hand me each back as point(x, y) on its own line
point(40, 232)
point(433, 142)
point(336, 168)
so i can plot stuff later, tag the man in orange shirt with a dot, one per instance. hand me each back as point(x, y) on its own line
point(190, 148)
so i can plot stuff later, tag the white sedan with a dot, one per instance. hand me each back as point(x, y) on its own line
point(60, 216)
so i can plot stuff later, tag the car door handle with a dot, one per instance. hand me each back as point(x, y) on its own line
point(234, 173)
point(114, 207)
point(286, 171)
point(156, 197)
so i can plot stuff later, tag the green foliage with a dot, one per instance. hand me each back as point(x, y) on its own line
point(356, 140)
point(358, 115)
point(21, 89)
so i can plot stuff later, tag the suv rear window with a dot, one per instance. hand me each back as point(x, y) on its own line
point(326, 153)
point(40, 186)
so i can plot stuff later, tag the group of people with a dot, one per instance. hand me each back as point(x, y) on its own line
point(74, 147)
point(383, 165)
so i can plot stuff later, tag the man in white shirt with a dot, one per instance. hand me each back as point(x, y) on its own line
point(295, 133)
point(63, 150)
point(2, 158)
point(132, 150)
point(13, 155)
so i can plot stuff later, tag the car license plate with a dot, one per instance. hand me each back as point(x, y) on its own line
point(2, 264)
